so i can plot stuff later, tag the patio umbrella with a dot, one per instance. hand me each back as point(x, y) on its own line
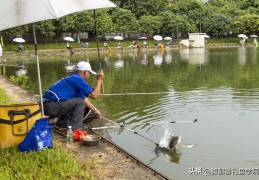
point(243, 36)
point(20, 12)
point(168, 38)
point(118, 38)
point(19, 40)
point(68, 39)
point(254, 36)
point(157, 37)
point(142, 38)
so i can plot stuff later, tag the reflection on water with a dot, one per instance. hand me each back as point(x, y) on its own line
point(168, 56)
point(197, 56)
point(119, 63)
point(158, 59)
point(70, 67)
point(242, 55)
point(174, 155)
point(154, 86)
point(22, 71)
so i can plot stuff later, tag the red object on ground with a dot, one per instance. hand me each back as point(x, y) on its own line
point(77, 133)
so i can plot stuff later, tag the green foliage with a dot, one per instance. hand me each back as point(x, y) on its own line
point(147, 7)
point(215, 17)
point(218, 25)
point(123, 20)
point(17, 31)
point(82, 21)
point(45, 29)
point(53, 163)
point(248, 23)
point(150, 24)
point(20, 80)
point(193, 9)
point(4, 99)
point(104, 22)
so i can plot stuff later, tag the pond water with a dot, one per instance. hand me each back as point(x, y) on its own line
point(217, 86)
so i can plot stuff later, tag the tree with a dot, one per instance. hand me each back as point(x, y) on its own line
point(77, 22)
point(124, 20)
point(175, 24)
point(193, 9)
point(218, 25)
point(248, 23)
point(147, 7)
point(150, 24)
point(104, 22)
point(20, 31)
point(45, 30)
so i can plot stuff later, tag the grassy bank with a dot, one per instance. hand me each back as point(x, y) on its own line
point(54, 163)
point(92, 44)
point(4, 99)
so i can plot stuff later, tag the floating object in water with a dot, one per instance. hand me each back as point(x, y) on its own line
point(170, 142)
point(187, 146)
point(174, 142)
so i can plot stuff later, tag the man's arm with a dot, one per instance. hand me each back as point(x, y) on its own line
point(92, 108)
point(98, 85)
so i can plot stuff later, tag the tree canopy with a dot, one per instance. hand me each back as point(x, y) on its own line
point(166, 17)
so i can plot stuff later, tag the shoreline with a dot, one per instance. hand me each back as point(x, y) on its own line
point(82, 51)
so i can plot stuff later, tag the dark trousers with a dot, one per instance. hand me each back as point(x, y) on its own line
point(71, 112)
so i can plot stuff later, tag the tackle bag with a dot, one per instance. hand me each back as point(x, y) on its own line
point(16, 120)
point(39, 137)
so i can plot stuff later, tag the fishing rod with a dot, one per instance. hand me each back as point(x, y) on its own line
point(135, 132)
point(98, 49)
point(140, 124)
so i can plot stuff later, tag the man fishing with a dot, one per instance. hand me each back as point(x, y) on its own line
point(68, 97)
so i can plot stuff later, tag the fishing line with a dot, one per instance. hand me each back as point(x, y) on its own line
point(129, 94)
point(141, 124)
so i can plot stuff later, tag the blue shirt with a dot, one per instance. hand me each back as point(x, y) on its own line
point(69, 87)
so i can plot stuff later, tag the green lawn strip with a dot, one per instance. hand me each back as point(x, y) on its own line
point(53, 163)
point(4, 99)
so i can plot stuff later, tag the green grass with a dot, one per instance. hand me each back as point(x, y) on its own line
point(54, 163)
point(4, 99)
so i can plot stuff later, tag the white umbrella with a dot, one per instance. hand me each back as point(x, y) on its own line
point(157, 37)
point(168, 38)
point(118, 38)
point(254, 36)
point(142, 38)
point(68, 39)
point(243, 36)
point(19, 40)
point(20, 12)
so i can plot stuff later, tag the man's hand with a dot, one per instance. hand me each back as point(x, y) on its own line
point(98, 113)
point(100, 75)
